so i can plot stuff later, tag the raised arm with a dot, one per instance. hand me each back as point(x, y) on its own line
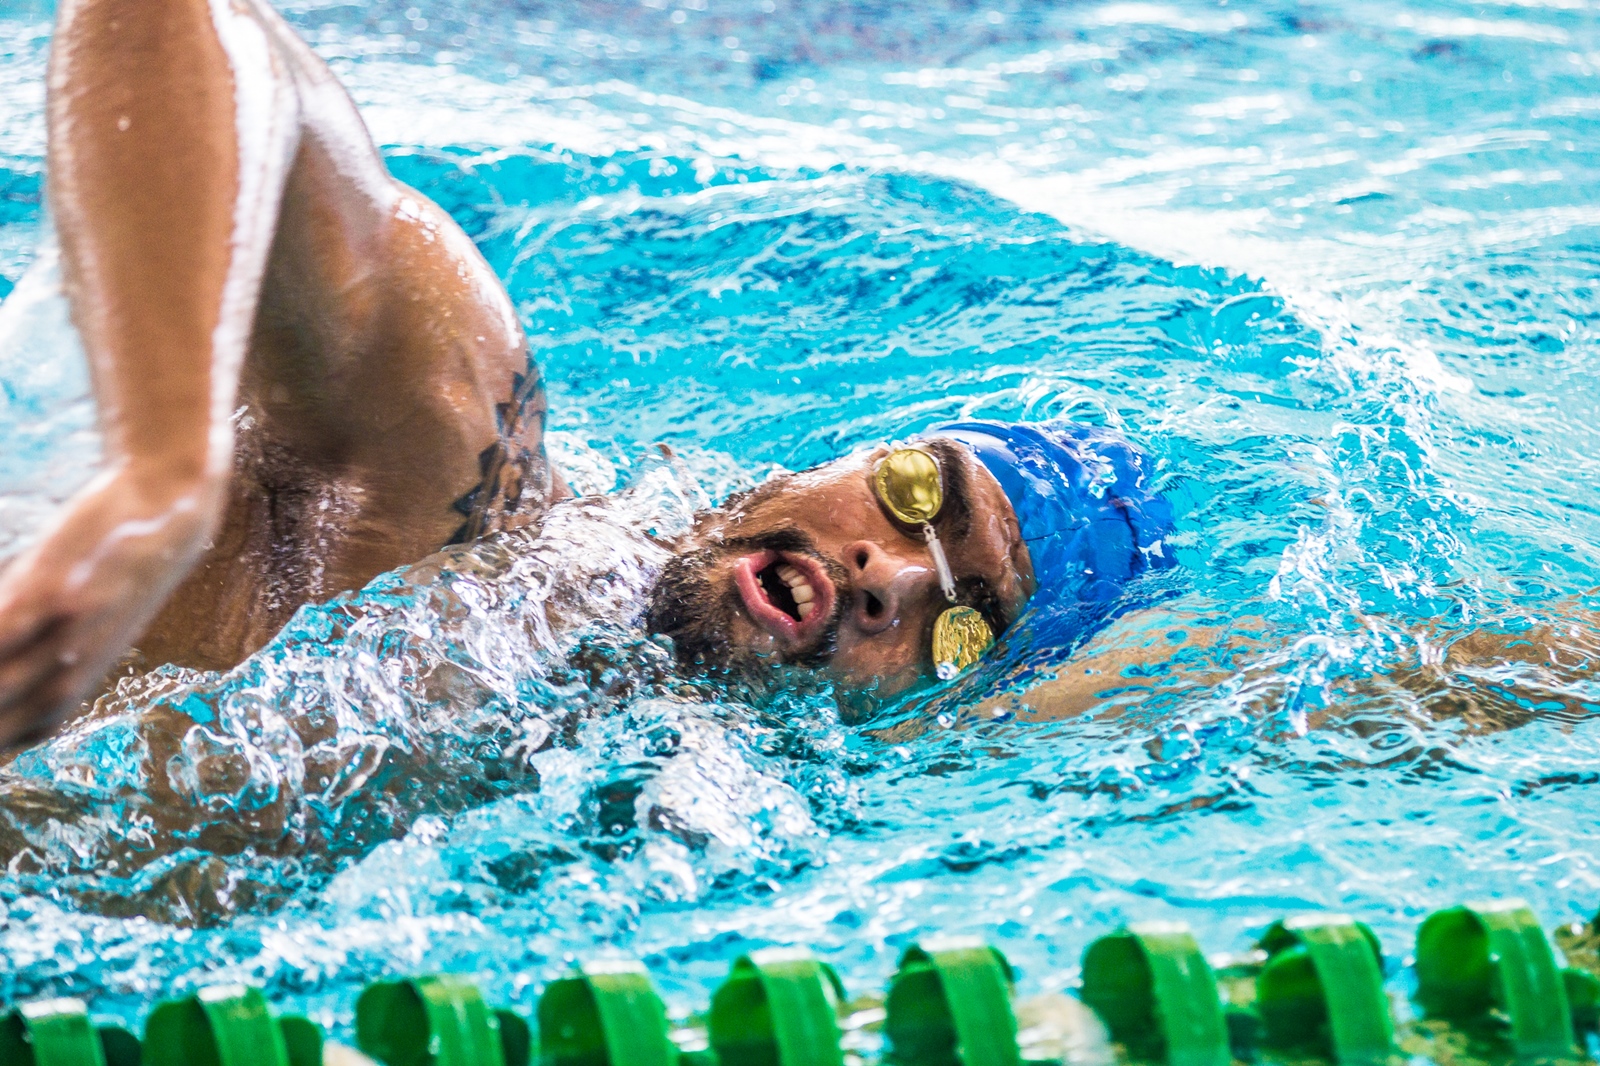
point(171, 129)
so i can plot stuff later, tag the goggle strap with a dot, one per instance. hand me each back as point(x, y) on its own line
point(947, 580)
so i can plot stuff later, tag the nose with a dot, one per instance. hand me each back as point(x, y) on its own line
point(882, 581)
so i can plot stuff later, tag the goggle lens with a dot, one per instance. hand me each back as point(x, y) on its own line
point(907, 481)
point(960, 637)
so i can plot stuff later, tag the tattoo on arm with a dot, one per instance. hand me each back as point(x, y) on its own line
point(513, 477)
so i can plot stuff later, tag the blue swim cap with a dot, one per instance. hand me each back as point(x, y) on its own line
point(1083, 499)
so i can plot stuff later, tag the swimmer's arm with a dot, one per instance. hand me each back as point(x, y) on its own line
point(170, 130)
point(1156, 654)
point(1157, 658)
point(1494, 679)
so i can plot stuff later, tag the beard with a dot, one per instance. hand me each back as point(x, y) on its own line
point(698, 613)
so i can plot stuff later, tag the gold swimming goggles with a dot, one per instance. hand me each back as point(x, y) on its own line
point(910, 487)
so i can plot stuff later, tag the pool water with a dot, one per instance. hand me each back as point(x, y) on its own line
point(1334, 266)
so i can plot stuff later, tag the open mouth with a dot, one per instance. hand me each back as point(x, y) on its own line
point(787, 594)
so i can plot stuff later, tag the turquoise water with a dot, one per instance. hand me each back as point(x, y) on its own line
point(1334, 266)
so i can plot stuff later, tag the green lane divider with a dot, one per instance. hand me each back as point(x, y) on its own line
point(950, 1005)
point(438, 1021)
point(1322, 988)
point(1493, 955)
point(1157, 995)
point(121, 1047)
point(58, 1032)
point(607, 1014)
point(1583, 997)
point(1488, 968)
point(227, 1025)
point(778, 1007)
point(302, 1040)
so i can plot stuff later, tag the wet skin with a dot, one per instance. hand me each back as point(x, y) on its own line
point(871, 581)
point(307, 375)
point(305, 372)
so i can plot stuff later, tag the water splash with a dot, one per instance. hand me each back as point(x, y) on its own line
point(1332, 266)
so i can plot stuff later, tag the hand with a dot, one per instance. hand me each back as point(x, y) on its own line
point(71, 605)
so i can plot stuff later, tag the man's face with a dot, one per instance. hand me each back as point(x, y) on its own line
point(810, 569)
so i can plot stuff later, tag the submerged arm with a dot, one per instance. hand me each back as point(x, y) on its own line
point(1150, 655)
point(1156, 658)
point(171, 129)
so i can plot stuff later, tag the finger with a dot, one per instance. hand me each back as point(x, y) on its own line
point(31, 713)
point(21, 677)
point(37, 710)
point(62, 679)
point(24, 731)
point(22, 673)
point(32, 632)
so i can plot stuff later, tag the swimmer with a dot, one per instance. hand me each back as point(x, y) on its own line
point(307, 375)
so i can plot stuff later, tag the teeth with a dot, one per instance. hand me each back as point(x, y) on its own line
point(799, 588)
